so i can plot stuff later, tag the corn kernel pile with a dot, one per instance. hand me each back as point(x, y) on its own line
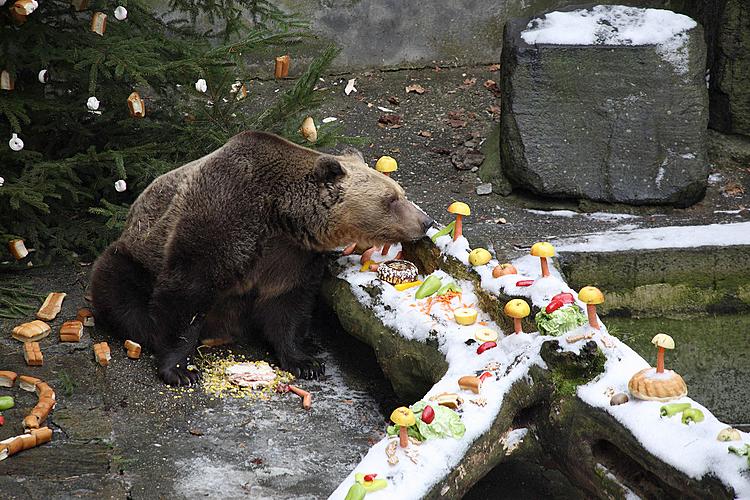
point(216, 383)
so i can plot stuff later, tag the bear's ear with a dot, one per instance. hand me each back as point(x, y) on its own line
point(350, 151)
point(328, 169)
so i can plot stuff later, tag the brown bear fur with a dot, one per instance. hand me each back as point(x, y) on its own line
point(236, 239)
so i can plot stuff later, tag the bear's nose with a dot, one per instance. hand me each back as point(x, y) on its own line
point(427, 223)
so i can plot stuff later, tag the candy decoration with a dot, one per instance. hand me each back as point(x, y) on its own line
point(43, 76)
point(461, 210)
point(308, 130)
point(121, 186)
point(15, 143)
point(281, 69)
point(6, 80)
point(201, 85)
point(385, 165)
point(136, 106)
point(403, 417)
point(543, 250)
point(517, 309)
point(524, 283)
point(591, 296)
point(99, 23)
point(121, 13)
point(92, 103)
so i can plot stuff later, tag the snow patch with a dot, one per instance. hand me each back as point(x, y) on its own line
point(616, 25)
point(659, 237)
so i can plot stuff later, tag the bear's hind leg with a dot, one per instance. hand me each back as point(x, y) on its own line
point(286, 320)
point(121, 290)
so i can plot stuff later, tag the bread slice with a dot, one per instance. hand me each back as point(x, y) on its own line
point(31, 332)
point(18, 249)
point(51, 307)
point(71, 331)
point(28, 383)
point(7, 378)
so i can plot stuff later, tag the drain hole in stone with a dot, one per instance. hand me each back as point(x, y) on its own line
point(630, 473)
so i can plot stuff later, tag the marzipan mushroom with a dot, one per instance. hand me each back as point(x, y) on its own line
point(461, 210)
point(591, 296)
point(385, 165)
point(543, 250)
point(517, 309)
point(403, 417)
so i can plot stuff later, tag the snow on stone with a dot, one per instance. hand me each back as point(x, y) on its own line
point(616, 25)
point(597, 216)
point(691, 448)
point(659, 237)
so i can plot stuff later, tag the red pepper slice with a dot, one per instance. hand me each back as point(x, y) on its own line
point(553, 306)
point(370, 477)
point(564, 297)
point(428, 414)
point(2, 420)
point(485, 346)
point(484, 376)
point(525, 283)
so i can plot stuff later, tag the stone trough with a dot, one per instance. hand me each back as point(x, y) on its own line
point(548, 402)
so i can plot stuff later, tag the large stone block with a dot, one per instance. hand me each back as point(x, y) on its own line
point(606, 103)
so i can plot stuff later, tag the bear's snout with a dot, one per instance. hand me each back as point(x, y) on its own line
point(427, 222)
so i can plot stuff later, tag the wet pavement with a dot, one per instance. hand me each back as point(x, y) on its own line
point(119, 432)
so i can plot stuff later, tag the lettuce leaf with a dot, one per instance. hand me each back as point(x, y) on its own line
point(560, 321)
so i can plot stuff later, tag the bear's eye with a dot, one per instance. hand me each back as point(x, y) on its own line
point(392, 200)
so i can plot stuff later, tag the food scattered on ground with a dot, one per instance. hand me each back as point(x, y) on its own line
point(51, 306)
point(133, 349)
point(102, 354)
point(36, 437)
point(216, 382)
point(85, 316)
point(28, 383)
point(71, 331)
point(445, 424)
point(6, 403)
point(7, 378)
point(32, 353)
point(31, 331)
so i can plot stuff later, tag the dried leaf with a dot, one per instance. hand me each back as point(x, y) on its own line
point(491, 85)
point(733, 190)
point(494, 110)
point(389, 121)
point(457, 123)
point(424, 133)
point(394, 100)
point(493, 67)
point(415, 87)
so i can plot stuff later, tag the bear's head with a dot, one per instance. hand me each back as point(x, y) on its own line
point(368, 208)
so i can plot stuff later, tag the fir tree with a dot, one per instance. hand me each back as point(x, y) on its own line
point(59, 191)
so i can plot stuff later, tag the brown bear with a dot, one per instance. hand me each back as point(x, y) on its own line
point(237, 239)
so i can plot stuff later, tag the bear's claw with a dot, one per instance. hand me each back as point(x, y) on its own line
point(178, 376)
point(308, 368)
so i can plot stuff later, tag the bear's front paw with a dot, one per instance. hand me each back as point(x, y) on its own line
point(306, 367)
point(178, 375)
